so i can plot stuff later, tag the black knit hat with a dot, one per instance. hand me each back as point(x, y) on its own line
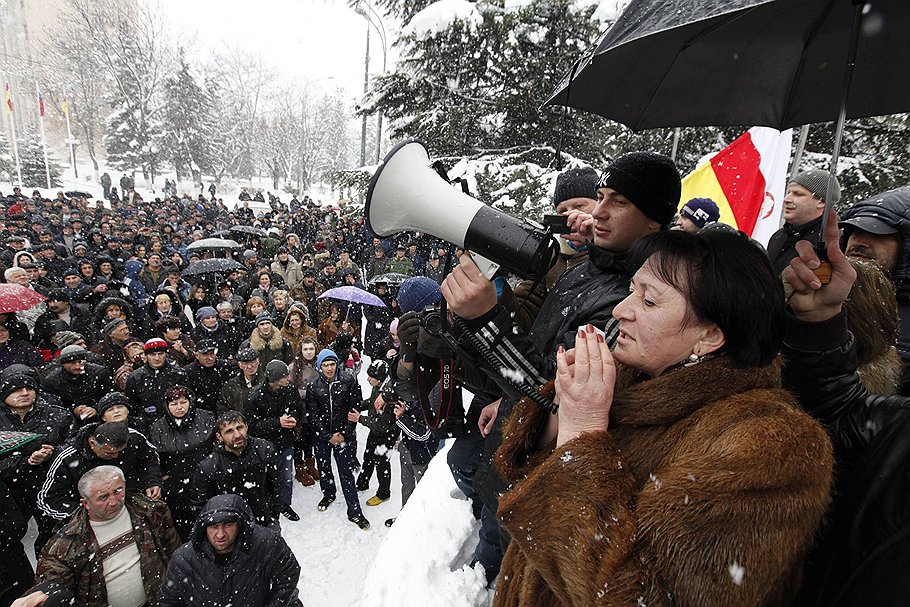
point(15, 382)
point(112, 399)
point(575, 183)
point(650, 181)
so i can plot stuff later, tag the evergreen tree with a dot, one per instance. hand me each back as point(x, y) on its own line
point(189, 120)
point(31, 161)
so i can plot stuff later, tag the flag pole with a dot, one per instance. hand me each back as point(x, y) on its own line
point(47, 168)
point(12, 126)
point(69, 135)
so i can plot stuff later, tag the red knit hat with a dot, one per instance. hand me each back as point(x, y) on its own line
point(155, 345)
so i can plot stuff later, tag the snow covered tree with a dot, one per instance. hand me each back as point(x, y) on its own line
point(31, 161)
point(7, 162)
point(189, 122)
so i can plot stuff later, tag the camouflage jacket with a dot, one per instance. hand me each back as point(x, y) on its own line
point(69, 560)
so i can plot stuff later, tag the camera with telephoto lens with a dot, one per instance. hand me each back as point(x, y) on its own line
point(431, 320)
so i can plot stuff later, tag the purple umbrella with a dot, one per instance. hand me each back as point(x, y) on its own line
point(353, 295)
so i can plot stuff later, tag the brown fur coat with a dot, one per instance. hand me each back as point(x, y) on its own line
point(706, 490)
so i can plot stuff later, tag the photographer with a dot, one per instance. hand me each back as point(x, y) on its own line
point(636, 195)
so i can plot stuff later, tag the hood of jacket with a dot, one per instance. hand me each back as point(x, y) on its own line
point(132, 268)
point(220, 509)
point(107, 301)
point(176, 307)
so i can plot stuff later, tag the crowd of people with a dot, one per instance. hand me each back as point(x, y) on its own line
point(634, 435)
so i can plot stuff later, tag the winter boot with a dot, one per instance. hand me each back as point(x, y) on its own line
point(310, 463)
point(376, 500)
point(324, 503)
point(289, 514)
point(361, 521)
point(303, 475)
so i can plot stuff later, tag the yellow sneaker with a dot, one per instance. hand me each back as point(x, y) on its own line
point(376, 500)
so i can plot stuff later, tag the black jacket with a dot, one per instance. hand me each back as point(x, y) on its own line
point(182, 447)
point(261, 570)
point(253, 475)
point(85, 389)
point(263, 408)
point(58, 496)
point(862, 552)
point(145, 387)
point(328, 404)
point(206, 382)
point(782, 244)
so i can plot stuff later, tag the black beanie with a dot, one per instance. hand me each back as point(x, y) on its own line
point(650, 181)
point(575, 183)
point(15, 382)
point(111, 399)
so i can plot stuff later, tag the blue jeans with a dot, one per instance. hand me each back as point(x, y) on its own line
point(286, 474)
point(343, 459)
point(489, 546)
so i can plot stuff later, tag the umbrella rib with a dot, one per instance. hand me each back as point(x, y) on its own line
point(791, 90)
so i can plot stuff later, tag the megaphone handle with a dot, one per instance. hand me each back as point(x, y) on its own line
point(488, 268)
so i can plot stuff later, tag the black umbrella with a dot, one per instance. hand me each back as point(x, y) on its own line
point(211, 266)
point(77, 194)
point(777, 63)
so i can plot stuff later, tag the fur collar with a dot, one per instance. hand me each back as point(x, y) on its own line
point(259, 344)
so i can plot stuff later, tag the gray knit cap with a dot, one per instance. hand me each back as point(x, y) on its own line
point(816, 181)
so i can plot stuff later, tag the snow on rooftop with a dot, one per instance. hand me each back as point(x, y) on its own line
point(438, 16)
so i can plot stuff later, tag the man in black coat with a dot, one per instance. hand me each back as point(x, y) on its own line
point(78, 383)
point(861, 552)
point(242, 465)
point(59, 310)
point(145, 387)
point(20, 411)
point(230, 560)
point(111, 443)
point(275, 412)
point(207, 375)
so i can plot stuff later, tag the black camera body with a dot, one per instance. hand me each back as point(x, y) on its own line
point(431, 320)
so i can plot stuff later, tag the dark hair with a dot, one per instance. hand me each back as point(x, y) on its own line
point(116, 434)
point(726, 279)
point(167, 322)
point(227, 417)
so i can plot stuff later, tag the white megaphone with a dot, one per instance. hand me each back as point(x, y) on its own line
point(407, 194)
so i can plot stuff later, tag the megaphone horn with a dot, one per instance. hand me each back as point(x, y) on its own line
point(407, 194)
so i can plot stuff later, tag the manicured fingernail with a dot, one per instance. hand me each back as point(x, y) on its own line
point(590, 328)
point(581, 334)
point(600, 338)
point(561, 349)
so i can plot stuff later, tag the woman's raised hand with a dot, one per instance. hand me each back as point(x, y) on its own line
point(585, 376)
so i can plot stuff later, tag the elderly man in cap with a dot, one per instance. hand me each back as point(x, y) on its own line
point(22, 411)
point(226, 536)
point(207, 375)
point(804, 204)
point(275, 413)
point(79, 384)
point(878, 230)
point(269, 342)
point(145, 387)
point(115, 334)
point(113, 550)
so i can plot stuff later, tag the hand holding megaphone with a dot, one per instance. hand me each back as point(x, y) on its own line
point(467, 291)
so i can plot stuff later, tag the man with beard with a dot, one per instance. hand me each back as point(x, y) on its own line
point(878, 230)
point(242, 465)
point(79, 384)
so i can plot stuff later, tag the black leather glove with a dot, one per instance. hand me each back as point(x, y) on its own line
point(408, 330)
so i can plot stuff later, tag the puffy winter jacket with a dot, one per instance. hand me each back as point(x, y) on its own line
point(84, 389)
point(253, 475)
point(264, 406)
point(145, 387)
point(182, 445)
point(328, 403)
point(862, 552)
point(261, 570)
point(206, 382)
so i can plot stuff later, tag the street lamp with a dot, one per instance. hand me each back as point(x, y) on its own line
point(365, 10)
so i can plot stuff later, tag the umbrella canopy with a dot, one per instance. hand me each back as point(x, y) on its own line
point(211, 266)
point(213, 244)
point(391, 279)
point(353, 295)
point(777, 63)
point(16, 298)
point(247, 230)
point(77, 194)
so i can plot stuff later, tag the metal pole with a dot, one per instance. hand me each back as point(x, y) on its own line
point(379, 115)
point(841, 118)
point(366, 84)
point(675, 144)
point(800, 148)
point(12, 126)
point(69, 134)
point(47, 169)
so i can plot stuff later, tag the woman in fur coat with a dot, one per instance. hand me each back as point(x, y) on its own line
point(676, 471)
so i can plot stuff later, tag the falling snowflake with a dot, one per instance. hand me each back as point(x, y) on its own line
point(737, 572)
